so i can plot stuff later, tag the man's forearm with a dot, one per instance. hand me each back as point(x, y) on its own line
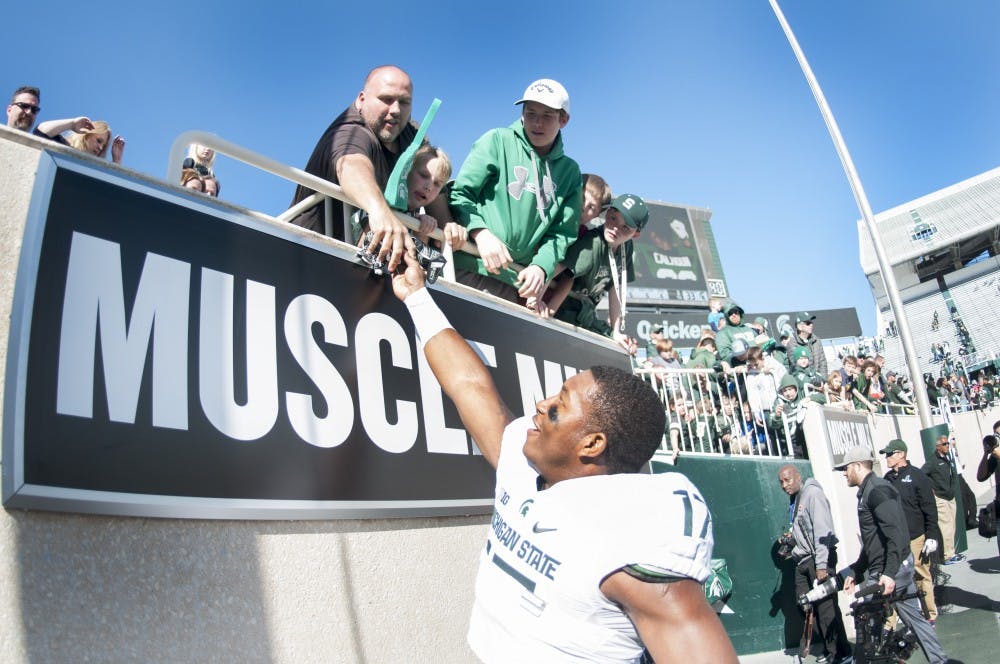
point(357, 179)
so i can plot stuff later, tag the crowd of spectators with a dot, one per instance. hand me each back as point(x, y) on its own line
point(557, 241)
point(80, 133)
point(548, 237)
point(95, 137)
point(770, 383)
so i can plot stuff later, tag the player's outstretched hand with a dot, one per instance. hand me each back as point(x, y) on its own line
point(410, 280)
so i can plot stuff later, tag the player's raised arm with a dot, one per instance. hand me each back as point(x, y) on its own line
point(457, 367)
point(673, 619)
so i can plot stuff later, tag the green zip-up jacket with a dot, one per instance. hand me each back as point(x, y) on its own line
point(529, 202)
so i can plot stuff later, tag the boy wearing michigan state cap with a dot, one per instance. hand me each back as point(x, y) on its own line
point(599, 262)
point(519, 196)
point(802, 367)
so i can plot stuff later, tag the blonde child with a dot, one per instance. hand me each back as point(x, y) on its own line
point(430, 172)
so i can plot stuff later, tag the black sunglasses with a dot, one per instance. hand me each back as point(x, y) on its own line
point(25, 106)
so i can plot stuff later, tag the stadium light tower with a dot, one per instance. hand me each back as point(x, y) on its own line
point(885, 268)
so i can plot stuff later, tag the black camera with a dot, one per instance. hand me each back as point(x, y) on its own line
point(785, 545)
point(875, 644)
point(431, 260)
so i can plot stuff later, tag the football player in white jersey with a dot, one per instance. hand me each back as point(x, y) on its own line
point(587, 558)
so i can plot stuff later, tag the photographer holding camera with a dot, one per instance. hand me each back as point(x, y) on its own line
point(990, 465)
point(814, 550)
point(885, 546)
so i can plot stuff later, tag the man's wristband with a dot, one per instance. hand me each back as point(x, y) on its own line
point(428, 319)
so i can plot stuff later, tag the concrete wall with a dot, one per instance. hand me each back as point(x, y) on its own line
point(90, 588)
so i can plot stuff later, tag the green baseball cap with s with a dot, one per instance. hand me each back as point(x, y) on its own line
point(633, 209)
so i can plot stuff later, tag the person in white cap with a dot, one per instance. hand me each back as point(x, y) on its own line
point(520, 196)
point(885, 546)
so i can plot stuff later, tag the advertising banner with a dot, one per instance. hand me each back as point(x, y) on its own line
point(669, 260)
point(170, 356)
point(845, 431)
point(685, 328)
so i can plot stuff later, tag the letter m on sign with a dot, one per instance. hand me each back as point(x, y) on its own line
point(95, 301)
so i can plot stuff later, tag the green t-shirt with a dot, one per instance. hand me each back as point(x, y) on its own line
point(587, 259)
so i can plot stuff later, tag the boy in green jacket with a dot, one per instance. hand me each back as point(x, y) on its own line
point(519, 196)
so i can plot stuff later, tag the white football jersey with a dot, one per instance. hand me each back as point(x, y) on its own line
point(538, 596)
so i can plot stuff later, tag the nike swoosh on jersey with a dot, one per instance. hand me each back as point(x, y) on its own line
point(541, 529)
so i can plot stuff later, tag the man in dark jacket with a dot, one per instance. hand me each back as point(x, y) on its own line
point(944, 480)
point(804, 336)
point(815, 555)
point(735, 329)
point(917, 499)
point(885, 555)
point(990, 465)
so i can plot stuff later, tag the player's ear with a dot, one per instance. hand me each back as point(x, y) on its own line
point(592, 447)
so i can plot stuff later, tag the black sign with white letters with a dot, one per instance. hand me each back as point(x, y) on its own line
point(172, 357)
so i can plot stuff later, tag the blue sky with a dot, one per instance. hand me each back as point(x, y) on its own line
point(695, 102)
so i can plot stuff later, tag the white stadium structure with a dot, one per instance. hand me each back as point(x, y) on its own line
point(944, 249)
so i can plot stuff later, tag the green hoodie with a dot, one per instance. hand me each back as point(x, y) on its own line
point(496, 189)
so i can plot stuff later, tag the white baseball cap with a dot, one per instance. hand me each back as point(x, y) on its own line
point(547, 92)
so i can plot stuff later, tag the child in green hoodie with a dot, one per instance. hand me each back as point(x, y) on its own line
point(786, 416)
point(519, 196)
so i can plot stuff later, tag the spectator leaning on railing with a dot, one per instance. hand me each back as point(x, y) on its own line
point(596, 197)
point(201, 158)
point(734, 329)
point(835, 393)
point(519, 196)
point(598, 263)
point(91, 137)
point(358, 152)
point(804, 336)
point(786, 416)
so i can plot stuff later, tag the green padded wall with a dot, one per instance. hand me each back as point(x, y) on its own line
point(749, 511)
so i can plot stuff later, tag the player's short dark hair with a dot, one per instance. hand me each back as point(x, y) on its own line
point(630, 414)
point(26, 89)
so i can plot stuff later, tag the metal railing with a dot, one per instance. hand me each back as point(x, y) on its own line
point(324, 188)
point(709, 412)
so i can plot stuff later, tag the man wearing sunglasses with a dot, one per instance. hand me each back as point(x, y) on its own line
point(920, 510)
point(805, 336)
point(23, 108)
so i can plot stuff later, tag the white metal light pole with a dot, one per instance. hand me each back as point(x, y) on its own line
point(885, 268)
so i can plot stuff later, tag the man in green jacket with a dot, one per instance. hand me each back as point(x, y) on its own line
point(519, 196)
point(735, 328)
